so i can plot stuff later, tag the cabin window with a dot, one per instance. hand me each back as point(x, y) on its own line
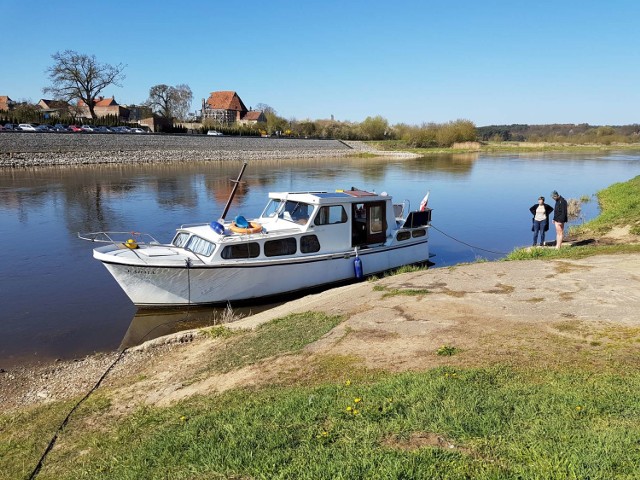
point(331, 214)
point(276, 248)
point(375, 224)
point(420, 232)
point(271, 210)
point(241, 250)
point(309, 244)
point(297, 212)
point(180, 239)
point(200, 246)
point(403, 235)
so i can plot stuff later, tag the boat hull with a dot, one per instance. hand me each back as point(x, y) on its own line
point(179, 285)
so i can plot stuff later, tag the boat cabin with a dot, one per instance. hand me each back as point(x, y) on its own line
point(294, 223)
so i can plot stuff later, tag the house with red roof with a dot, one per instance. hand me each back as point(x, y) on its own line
point(226, 107)
point(103, 107)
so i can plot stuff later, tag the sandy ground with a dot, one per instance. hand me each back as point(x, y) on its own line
point(539, 313)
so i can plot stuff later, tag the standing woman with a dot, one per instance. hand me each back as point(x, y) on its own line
point(540, 212)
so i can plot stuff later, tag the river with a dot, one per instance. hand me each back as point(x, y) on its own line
point(57, 302)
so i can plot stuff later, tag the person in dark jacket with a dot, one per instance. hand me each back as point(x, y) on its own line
point(560, 216)
point(540, 212)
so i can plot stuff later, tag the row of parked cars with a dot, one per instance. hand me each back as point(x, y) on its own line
point(60, 127)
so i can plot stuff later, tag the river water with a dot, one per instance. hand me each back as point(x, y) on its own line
point(57, 302)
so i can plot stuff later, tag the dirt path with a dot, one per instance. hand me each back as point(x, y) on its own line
point(542, 313)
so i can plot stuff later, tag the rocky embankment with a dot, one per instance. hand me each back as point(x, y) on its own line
point(39, 149)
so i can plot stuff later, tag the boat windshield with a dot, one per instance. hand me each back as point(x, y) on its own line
point(290, 210)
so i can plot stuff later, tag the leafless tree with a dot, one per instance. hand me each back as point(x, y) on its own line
point(170, 102)
point(76, 76)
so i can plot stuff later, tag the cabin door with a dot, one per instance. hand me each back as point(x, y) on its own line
point(369, 224)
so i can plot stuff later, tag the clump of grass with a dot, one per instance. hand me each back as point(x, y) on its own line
point(447, 351)
point(399, 271)
point(391, 292)
point(218, 332)
point(505, 423)
point(585, 198)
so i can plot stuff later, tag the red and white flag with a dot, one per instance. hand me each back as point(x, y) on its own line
point(425, 200)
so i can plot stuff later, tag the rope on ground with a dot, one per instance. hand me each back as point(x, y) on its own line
point(467, 244)
point(53, 440)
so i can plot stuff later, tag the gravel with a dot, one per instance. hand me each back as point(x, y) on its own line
point(40, 149)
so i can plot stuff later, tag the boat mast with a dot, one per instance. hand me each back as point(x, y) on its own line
point(236, 182)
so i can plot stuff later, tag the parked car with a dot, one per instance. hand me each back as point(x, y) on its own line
point(214, 133)
point(60, 127)
point(44, 128)
point(27, 127)
point(75, 129)
point(10, 126)
point(102, 129)
point(137, 130)
point(87, 128)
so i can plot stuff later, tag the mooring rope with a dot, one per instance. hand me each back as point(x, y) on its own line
point(53, 440)
point(467, 244)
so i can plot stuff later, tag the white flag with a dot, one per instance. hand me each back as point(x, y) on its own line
point(425, 200)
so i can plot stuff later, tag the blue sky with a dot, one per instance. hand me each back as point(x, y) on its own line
point(492, 62)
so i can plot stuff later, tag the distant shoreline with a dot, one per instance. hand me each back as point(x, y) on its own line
point(505, 147)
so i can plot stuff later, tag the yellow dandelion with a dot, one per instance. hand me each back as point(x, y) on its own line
point(357, 400)
point(356, 412)
point(183, 418)
point(578, 408)
point(324, 434)
point(348, 409)
point(347, 383)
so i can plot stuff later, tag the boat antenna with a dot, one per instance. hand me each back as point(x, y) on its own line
point(236, 182)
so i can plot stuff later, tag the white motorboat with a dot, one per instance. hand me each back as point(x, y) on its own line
point(301, 240)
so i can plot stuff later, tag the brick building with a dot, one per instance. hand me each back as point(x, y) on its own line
point(226, 107)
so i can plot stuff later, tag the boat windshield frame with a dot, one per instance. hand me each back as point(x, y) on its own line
point(285, 209)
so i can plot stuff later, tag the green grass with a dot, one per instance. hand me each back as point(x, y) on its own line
point(283, 335)
point(549, 253)
point(620, 205)
point(503, 423)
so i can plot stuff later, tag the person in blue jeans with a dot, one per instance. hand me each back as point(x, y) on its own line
point(540, 212)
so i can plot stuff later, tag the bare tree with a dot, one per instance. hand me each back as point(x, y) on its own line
point(170, 102)
point(263, 107)
point(76, 76)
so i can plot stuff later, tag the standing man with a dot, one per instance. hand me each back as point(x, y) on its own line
point(560, 216)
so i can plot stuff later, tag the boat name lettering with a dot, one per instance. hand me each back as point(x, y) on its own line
point(143, 271)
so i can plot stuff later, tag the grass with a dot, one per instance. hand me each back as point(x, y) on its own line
point(620, 206)
point(392, 292)
point(284, 335)
point(499, 423)
point(571, 252)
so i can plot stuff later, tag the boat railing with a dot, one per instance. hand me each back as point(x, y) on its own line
point(119, 237)
point(189, 225)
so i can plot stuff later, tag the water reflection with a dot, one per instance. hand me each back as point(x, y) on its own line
point(148, 324)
